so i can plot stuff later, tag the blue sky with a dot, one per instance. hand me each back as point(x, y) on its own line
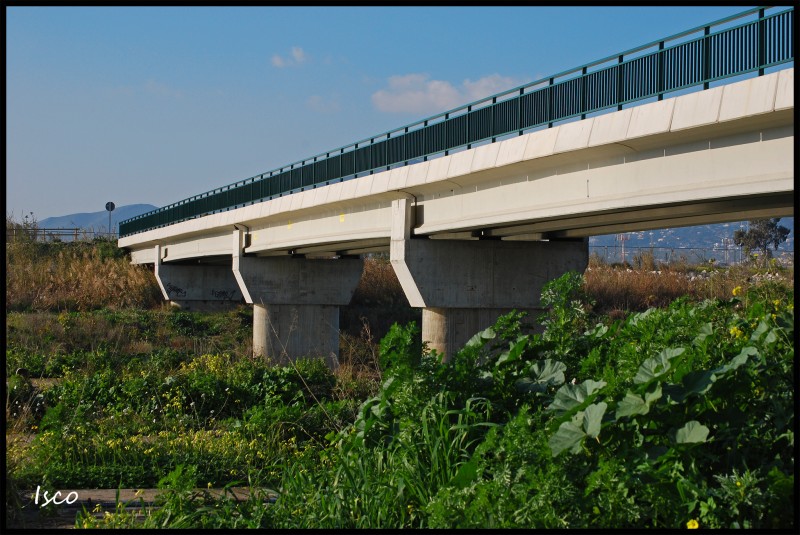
point(156, 104)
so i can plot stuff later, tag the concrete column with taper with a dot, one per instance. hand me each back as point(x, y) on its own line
point(464, 285)
point(197, 287)
point(295, 302)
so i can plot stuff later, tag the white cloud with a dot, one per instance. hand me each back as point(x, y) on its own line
point(489, 85)
point(298, 54)
point(295, 57)
point(277, 61)
point(417, 93)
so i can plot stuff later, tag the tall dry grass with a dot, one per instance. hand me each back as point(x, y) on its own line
point(618, 289)
point(75, 276)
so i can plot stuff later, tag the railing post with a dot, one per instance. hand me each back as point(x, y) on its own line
point(469, 110)
point(446, 117)
point(371, 150)
point(519, 109)
point(550, 102)
point(706, 56)
point(494, 109)
point(762, 43)
point(660, 67)
point(405, 144)
point(583, 93)
point(424, 133)
point(388, 160)
point(619, 83)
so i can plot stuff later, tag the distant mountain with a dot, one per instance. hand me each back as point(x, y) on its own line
point(96, 221)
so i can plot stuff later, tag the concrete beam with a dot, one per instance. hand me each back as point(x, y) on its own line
point(198, 287)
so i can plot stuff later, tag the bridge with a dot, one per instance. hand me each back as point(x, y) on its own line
point(479, 206)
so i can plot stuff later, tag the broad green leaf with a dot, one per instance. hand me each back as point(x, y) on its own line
point(526, 384)
point(631, 405)
point(738, 360)
point(568, 436)
point(570, 396)
point(593, 417)
point(691, 433)
point(599, 331)
point(652, 394)
point(514, 352)
point(636, 318)
point(698, 382)
point(705, 331)
point(543, 373)
point(675, 393)
point(656, 366)
point(763, 327)
point(548, 371)
point(479, 339)
point(770, 338)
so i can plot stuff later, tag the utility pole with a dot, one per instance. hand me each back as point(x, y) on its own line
point(623, 238)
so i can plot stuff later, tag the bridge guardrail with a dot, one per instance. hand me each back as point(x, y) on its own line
point(648, 71)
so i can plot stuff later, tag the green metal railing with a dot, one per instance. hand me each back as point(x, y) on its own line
point(649, 71)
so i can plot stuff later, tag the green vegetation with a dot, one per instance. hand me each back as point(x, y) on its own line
point(650, 400)
point(665, 418)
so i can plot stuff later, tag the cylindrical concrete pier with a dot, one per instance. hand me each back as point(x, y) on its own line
point(284, 333)
point(447, 330)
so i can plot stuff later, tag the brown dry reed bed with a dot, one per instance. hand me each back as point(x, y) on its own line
point(617, 289)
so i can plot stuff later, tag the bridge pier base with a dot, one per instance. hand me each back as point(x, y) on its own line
point(464, 285)
point(295, 302)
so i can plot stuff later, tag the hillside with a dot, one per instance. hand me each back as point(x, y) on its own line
point(96, 221)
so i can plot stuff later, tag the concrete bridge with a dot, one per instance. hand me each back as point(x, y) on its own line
point(478, 229)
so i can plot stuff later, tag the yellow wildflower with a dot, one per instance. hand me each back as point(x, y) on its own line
point(736, 332)
point(692, 524)
point(737, 291)
point(738, 483)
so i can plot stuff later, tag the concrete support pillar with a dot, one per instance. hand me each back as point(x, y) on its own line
point(296, 302)
point(464, 285)
point(197, 287)
point(447, 330)
point(303, 330)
